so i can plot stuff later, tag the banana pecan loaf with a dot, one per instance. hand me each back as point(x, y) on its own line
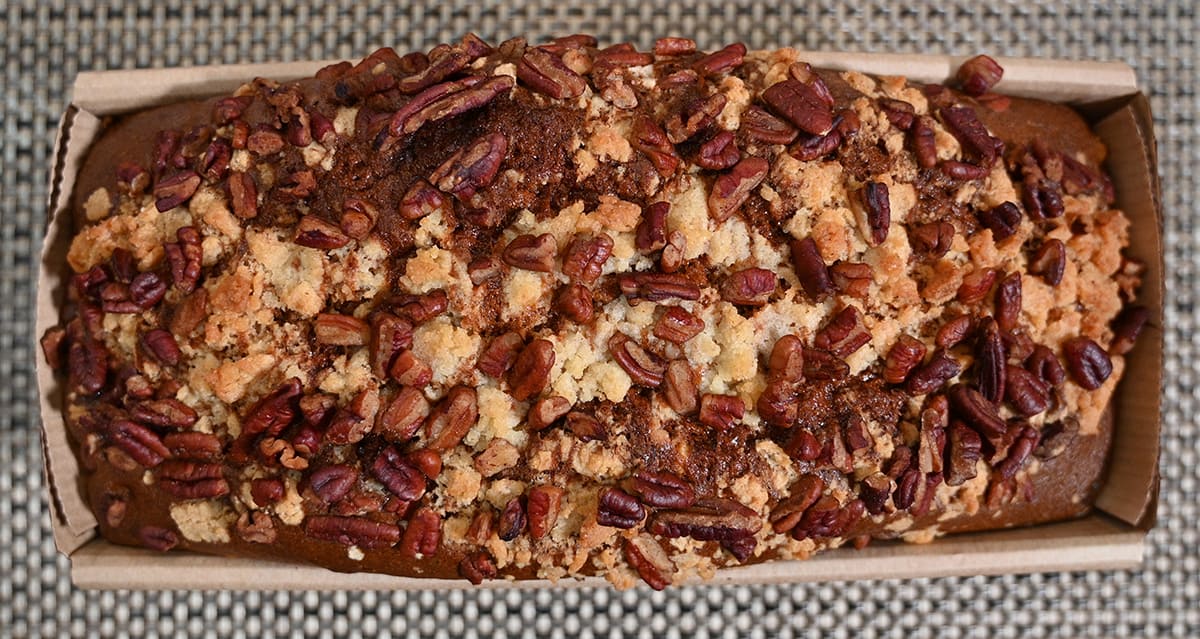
point(560, 310)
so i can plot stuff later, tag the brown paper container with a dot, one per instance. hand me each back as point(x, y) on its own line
point(1112, 537)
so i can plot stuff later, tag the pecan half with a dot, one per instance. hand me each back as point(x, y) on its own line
point(661, 489)
point(810, 268)
point(423, 534)
point(164, 413)
point(331, 483)
point(498, 356)
point(905, 355)
point(719, 153)
point(157, 538)
point(585, 257)
point(389, 336)
point(421, 308)
point(656, 287)
point(313, 232)
point(677, 325)
point(963, 450)
point(189, 479)
point(749, 287)
point(900, 113)
point(953, 331)
point(175, 189)
point(1026, 392)
point(1027, 441)
point(933, 238)
point(584, 426)
point(448, 99)
point(844, 334)
point(731, 190)
point(721, 411)
point(341, 330)
point(352, 531)
point(978, 75)
point(804, 493)
point(547, 74)
point(924, 140)
point(532, 253)
point(990, 358)
point(618, 509)
point(161, 345)
point(1045, 364)
point(452, 418)
point(398, 474)
point(138, 442)
point(531, 370)
point(930, 377)
point(1088, 364)
point(964, 124)
point(644, 368)
point(822, 365)
point(421, 199)
point(543, 508)
point(759, 125)
point(651, 140)
point(574, 302)
point(1003, 220)
point(976, 285)
point(649, 560)
point(477, 567)
point(709, 519)
point(410, 371)
point(1126, 328)
point(664, 47)
point(695, 117)
point(193, 445)
point(721, 61)
point(546, 411)
point(1049, 261)
point(852, 278)
point(1008, 302)
point(874, 196)
point(874, 491)
point(680, 387)
point(801, 104)
point(471, 168)
point(512, 520)
point(977, 411)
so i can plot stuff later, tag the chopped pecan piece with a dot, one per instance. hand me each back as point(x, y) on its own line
point(497, 357)
point(1049, 261)
point(719, 153)
point(512, 520)
point(452, 418)
point(532, 253)
point(584, 426)
point(1003, 220)
point(978, 75)
point(906, 354)
point(313, 232)
point(650, 561)
point(930, 377)
point(341, 330)
point(546, 411)
point(721, 411)
point(933, 238)
point(677, 325)
point(543, 508)
point(680, 390)
point(531, 370)
point(731, 190)
point(963, 450)
point(652, 141)
point(471, 168)
point(761, 126)
point(547, 74)
point(644, 368)
point(1126, 328)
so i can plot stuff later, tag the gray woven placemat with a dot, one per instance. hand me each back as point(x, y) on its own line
point(44, 43)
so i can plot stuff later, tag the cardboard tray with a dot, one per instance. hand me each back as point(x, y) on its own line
point(1110, 538)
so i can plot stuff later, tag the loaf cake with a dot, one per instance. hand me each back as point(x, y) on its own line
point(560, 310)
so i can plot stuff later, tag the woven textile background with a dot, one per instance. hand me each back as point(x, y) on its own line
point(44, 43)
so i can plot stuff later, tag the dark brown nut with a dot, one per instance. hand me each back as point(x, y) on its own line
point(296, 185)
point(331, 483)
point(427, 461)
point(398, 475)
point(512, 520)
point(1126, 328)
point(438, 65)
point(652, 141)
point(358, 218)
point(963, 450)
point(546, 411)
point(547, 74)
point(500, 354)
point(778, 404)
point(978, 75)
point(341, 330)
point(423, 534)
point(316, 407)
point(483, 269)
point(452, 418)
point(719, 153)
point(157, 538)
point(761, 126)
point(563, 44)
point(471, 168)
point(810, 268)
point(54, 343)
point(721, 411)
point(651, 232)
point(138, 442)
point(661, 489)
point(964, 124)
point(193, 445)
point(906, 354)
point(852, 278)
point(874, 491)
point(421, 199)
point(1044, 363)
point(900, 113)
point(749, 287)
point(680, 390)
point(531, 370)
point(229, 109)
point(352, 531)
point(1026, 392)
point(166, 147)
point(664, 47)
point(656, 287)
point(532, 253)
point(584, 426)
point(264, 142)
point(161, 345)
point(215, 163)
point(1027, 441)
point(175, 189)
point(822, 365)
point(445, 100)
point(1088, 364)
point(644, 368)
point(132, 178)
point(256, 527)
point(721, 61)
point(976, 285)
point(410, 371)
point(990, 358)
point(188, 479)
point(924, 141)
point(695, 117)
point(543, 508)
point(935, 416)
point(1003, 220)
point(243, 195)
point(786, 361)
point(907, 486)
point(190, 313)
point(933, 238)
point(804, 493)
point(145, 291)
point(936, 372)
point(585, 257)
point(138, 387)
point(164, 413)
point(240, 134)
point(574, 302)
point(618, 509)
point(1050, 261)
point(731, 190)
point(266, 491)
point(500, 455)
point(389, 336)
point(710, 519)
point(844, 334)
point(976, 411)
point(313, 232)
point(874, 196)
point(953, 331)
point(677, 325)
point(803, 446)
point(650, 561)
point(477, 567)
point(801, 104)
point(419, 309)
point(816, 146)
point(1008, 302)
point(964, 171)
point(672, 254)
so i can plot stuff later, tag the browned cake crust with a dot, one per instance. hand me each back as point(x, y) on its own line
point(563, 310)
